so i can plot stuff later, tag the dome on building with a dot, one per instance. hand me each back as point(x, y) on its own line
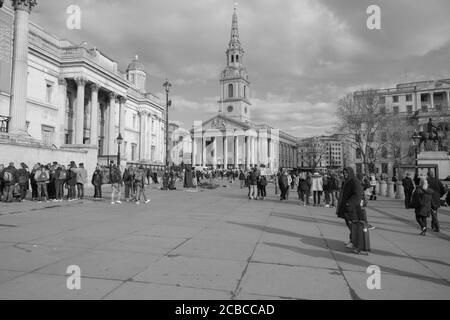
point(136, 65)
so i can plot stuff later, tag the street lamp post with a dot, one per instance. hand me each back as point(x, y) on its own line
point(167, 87)
point(416, 138)
point(119, 142)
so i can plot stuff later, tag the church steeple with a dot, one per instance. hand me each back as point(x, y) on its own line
point(234, 82)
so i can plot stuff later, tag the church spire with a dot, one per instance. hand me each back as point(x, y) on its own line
point(234, 42)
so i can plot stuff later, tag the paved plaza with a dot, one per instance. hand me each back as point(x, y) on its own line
point(215, 244)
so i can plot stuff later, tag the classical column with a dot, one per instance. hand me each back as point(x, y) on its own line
point(19, 83)
point(79, 114)
point(62, 110)
point(194, 152)
point(247, 152)
point(142, 143)
point(94, 114)
point(225, 152)
point(112, 124)
point(236, 152)
point(215, 152)
point(204, 151)
point(122, 120)
point(448, 99)
point(432, 100)
point(148, 137)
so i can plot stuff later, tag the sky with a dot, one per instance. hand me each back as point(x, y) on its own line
point(301, 55)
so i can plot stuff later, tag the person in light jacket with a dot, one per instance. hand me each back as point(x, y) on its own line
point(317, 188)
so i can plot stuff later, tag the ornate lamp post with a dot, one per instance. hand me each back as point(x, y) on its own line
point(119, 142)
point(167, 85)
point(416, 140)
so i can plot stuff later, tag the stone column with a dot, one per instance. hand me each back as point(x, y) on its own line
point(112, 149)
point(432, 100)
point(19, 83)
point(215, 152)
point(225, 152)
point(448, 99)
point(79, 113)
point(204, 151)
point(390, 190)
point(122, 120)
point(194, 152)
point(142, 141)
point(94, 114)
point(62, 111)
point(236, 152)
point(247, 152)
point(383, 188)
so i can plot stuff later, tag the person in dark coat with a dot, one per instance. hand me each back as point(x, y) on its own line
point(284, 185)
point(97, 179)
point(23, 179)
point(253, 183)
point(72, 181)
point(408, 187)
point(241, 178)
point(421, 201)
point(188, 178)
point(349, 206)
point(435, 185)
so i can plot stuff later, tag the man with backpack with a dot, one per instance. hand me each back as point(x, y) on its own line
point(9, 176)
point(60, 178)
point(139, 178)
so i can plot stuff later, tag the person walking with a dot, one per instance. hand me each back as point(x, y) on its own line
point(116, 182)
point(33, 182)
point(438, 191)
point(408, 187)
point(373, 186)
point(421, 200)
point(303, 189)
point(317, 188)
point(283, 184)
point(263, 184)
point(139, 178)
point(97, 180)
point(349, 205)
point(253, 183)
point(23, 179)
point(334, 187)
point(128, 181)
point(241, 178)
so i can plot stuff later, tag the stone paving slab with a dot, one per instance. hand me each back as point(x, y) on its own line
point(194, 272)
point(140, 291)
point(50, 287)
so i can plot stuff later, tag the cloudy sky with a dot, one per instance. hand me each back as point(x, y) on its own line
point(301, 55)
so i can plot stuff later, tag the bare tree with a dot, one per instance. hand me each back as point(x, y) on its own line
point(314, 153)
point(362, 118)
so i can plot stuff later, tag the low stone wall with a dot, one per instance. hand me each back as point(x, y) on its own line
point(31, 153)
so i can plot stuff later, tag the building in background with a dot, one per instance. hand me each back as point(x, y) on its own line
point(231, 139)
point(180, 143)
point(322, 153)
point(76, 101)
point(413, 104)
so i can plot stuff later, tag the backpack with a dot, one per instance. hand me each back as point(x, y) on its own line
point(23, 179)
point(43, 176)
point(62, 175)
point(8, 176)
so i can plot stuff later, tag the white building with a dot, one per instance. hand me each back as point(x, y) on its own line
point(231, 139)
point(76, 100)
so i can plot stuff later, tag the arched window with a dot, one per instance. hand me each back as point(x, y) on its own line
point(237, 58)
point(230, 91)
point(245, 92)
point(232, 58)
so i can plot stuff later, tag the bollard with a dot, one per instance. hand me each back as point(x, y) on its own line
point(400, 191)
point(383, 187)
point(377, 188)
point(390, 190)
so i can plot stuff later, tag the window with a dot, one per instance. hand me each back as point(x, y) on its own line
point(384, 152)
point(409, 109)
point(424, 97)
point(237, 58)
point(232, 58)
point(230, 91)
point(133, 152)
point(152, 155)
point(230, 109)
point(383, 100)
point(438, 107)
point(396, 110)
point(358, 154)
point(409, 97)
point(48, 134)
point(49, 92)
point(424, 108)
point(384, 168)
point(395, 99)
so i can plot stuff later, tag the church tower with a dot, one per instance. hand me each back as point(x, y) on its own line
point(136, 74)
point(234, 84)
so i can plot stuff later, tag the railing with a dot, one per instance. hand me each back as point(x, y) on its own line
point(4, 124)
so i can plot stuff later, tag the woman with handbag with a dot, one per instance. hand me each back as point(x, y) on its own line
point(349, 206)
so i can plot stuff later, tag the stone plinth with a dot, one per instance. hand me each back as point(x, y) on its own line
point(439, 158)
point(390, 190)
point(400, 191)
point(382, 189)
